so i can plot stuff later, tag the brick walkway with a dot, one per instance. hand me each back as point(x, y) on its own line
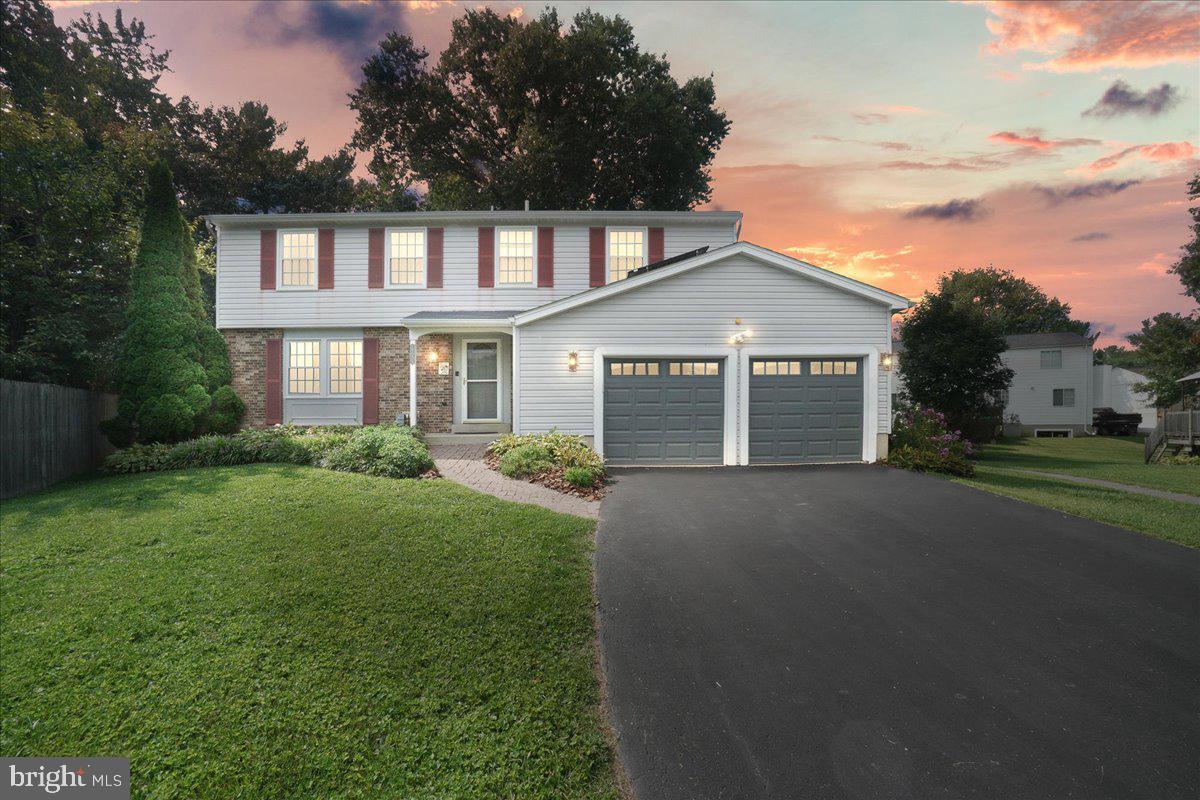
point(463, 463)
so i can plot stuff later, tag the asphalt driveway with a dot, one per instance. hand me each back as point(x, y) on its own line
point(862, 632)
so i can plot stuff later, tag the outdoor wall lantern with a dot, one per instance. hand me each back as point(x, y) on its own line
point(433, 356)
point(740, 338)
point(572, 361)
point(887, 361)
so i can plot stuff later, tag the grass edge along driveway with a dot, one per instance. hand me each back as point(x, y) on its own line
point(276, 630)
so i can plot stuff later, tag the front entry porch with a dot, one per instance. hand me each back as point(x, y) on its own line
point(460, 375)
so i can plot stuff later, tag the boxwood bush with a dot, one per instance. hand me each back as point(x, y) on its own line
point(384, 450)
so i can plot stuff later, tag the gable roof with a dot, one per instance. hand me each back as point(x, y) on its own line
point(1019, 341)
point(663, 270)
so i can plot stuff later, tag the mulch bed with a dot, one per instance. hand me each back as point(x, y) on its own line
point(553, 479)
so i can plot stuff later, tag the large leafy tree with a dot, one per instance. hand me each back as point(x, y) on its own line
point(951, 362)
point(1188, 265)
point(1169, 345)
point(1011, 303)
point(574, 117)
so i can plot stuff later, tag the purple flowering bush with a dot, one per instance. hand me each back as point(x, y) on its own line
point(922, 441)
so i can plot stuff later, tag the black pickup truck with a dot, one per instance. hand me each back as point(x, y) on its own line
point(1108, 422)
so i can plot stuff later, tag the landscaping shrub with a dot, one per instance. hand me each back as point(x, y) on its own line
point(227, 410)
point(922, 441)
point(386, 451)
point(583, 477)
point(525, 460)
point(139, 458)
point(565, 450)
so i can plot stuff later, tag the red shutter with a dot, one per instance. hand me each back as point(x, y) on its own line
point(325, 258)
point(266, 259)
point(655, 252)
point(375, 258)
point(545, 257)
point(370, 389)
point(274, 373)
point(433, 270)
point(487, 258)
point(596, 256)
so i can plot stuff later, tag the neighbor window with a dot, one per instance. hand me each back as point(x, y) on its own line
point(626, 252)
point(298, 259)
point(1052, 359)
point(406, 258)
point(304, 367)
point(345, 366)
point(1064, 397)
point(514, 256)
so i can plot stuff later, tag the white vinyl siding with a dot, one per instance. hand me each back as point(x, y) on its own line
point(692, 310)
point(1031, 395)
point(242, 304)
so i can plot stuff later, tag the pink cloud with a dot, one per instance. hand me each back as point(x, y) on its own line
point(1084, 35)
point(1162, 151)
point(1034, 140)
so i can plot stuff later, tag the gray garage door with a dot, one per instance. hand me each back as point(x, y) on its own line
point(805, 410)
point(664, 411)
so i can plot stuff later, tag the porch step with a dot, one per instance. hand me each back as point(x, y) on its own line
point(481, 427)
point(437, 439)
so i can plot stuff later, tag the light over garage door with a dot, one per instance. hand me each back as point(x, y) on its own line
point(806, 410)
point(664, 411)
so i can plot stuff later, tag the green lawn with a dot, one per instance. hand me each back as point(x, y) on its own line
point(282, 631)
point(1165, 519)
point(1110, 458)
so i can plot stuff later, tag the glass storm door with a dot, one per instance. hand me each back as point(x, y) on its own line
point(482, 380)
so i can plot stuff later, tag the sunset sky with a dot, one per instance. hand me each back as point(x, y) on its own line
point(891, 142)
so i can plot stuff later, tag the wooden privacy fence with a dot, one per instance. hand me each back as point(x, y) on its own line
point(48, 433)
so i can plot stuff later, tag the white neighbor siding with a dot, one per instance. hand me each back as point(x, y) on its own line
point(1031, 394)
point(242, 304)
point(695, 309)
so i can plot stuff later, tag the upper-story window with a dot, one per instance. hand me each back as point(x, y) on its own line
point(406, 258)
point(1052, 359)
point(626, 251)
point(298, 259)
point(514, 256)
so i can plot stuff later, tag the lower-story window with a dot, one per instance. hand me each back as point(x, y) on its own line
point(1064, 397)
point(324, 366)
point(304, 367)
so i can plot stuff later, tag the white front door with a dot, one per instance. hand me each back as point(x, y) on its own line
point(481, 380)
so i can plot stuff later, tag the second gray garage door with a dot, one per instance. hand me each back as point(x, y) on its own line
point(664, 411)
point(806, 410)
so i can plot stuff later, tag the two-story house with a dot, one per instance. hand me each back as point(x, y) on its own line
point(658, 334)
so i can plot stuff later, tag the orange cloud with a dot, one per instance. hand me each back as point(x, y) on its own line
point(1033, 140)
point(1085, 35)
point(1162, 151)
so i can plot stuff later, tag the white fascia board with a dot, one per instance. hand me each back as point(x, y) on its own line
point(894, 302)
point(400, 218)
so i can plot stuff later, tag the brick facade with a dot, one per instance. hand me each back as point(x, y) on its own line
point(435, 393)
point(247, 352)
point(393, 371)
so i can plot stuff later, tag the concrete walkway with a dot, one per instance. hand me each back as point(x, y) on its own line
point(463, 463)
point(1124, 487)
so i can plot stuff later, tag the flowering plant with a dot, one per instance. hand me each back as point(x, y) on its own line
point(921, 440)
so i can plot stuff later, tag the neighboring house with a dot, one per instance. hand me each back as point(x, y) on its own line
point(1056, 386)
point(660, 335)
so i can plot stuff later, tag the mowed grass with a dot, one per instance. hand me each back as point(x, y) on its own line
point(282, 631)
point(1110, 458)
point(1164, 519)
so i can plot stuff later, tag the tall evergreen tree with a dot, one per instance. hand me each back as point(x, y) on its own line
point(164, 385)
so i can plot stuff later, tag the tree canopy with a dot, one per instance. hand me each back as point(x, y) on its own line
point(951, 362)
point(1188, 265)
point(1170, 348)
point(574, 118)
point(1010, 303)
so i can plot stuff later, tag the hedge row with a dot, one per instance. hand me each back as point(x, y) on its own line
point(384, 450)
